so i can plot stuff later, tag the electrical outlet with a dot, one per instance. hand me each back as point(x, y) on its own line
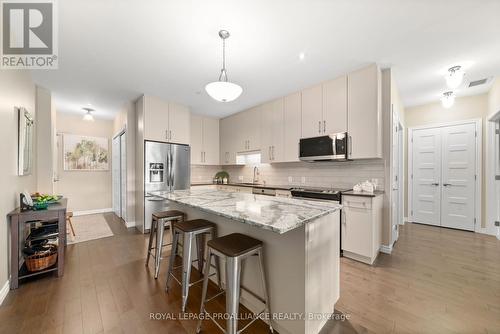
point(497, 223)
point(240, 177)
point(290, 179)
point(303, 179)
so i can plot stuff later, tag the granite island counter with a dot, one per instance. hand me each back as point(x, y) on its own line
point(301, 250)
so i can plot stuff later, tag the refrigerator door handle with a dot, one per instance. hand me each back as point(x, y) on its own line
point(171, 171)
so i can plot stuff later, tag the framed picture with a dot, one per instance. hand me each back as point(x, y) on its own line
point(85, 153)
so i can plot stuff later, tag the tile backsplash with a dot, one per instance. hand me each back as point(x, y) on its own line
point(318, 174)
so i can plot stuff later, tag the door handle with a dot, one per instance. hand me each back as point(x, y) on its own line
point(434, 184)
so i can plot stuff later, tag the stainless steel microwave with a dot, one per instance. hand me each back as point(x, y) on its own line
point(324, 148)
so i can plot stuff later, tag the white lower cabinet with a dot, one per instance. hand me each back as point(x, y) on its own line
point(361, 227)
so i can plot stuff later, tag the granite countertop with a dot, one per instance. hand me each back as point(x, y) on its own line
point(276, 214)
point(364, 194)
point(257, 185)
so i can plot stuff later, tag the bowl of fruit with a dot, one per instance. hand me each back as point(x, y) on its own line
point(41, 201)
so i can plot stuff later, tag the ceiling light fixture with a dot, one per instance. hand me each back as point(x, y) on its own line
point(88, 115)
point(454, 77)
point(302, 56)
point(223, 90)
point(448, 99)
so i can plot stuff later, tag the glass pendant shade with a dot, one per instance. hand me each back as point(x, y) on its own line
point(223, 91)
point(88, 117)
point(448, 100)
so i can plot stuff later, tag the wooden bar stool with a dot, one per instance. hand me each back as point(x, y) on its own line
point(69, 215)
point(190, 230)
point(234, 248)
point(159, 222)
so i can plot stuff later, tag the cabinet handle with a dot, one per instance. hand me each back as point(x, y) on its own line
point(272, 152)
point(319, 126)
point(170, 131)
point(269, 152)
point(166, 135)
point(324, 126)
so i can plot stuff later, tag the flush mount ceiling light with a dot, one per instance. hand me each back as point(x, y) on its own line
point(223, 90)
point(454, 77)
point(88, 115)
point(448, 99)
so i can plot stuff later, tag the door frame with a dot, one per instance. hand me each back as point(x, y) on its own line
point(478, 122)
point(123, 211)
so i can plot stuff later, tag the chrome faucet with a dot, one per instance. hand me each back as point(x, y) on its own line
point(255, 174)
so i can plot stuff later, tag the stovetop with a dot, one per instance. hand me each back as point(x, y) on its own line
point(331, 193)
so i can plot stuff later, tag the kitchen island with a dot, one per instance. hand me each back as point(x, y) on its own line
point(301, 250)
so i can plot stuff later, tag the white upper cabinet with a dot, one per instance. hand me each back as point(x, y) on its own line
point(365, 113)
point(312, 112)
point(204, 140)
point(178, 123)
point(324, 108)
point(272, 131)
point(335, 106)
point(155, 119)
point(248, 125)
point(291, 126)
point(210, 141)
point(196, 140)
point(165, 121)
point(228, 140)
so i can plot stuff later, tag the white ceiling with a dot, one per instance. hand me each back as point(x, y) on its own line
point(111, 52)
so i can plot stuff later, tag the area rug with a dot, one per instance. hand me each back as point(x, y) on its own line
point(88, 227)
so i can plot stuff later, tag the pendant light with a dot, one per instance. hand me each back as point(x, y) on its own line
point(454, 77)
point(88, 115)
point(448, 99)
point(223, 90)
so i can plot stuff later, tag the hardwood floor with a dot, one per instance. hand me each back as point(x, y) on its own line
point(436, 281)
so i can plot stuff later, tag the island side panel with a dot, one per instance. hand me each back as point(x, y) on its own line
point(322, 269)
point(284, 259)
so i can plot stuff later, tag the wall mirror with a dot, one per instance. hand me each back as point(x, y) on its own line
point(25, 141)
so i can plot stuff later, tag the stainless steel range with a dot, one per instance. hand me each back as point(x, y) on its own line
point(330, 194)
point(326, 194)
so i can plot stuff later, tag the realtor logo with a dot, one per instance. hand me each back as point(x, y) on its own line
point(29, 34)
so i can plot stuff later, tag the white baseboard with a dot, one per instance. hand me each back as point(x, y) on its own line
point(4, 291)
point(386, 249)
point(130, 224)
point(91, 212)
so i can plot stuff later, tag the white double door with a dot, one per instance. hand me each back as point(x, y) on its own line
point(444, 176)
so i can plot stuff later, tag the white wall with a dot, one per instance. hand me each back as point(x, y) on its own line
point(85, 190)
point(45, 119)
point(16, 89)
point(465, 108)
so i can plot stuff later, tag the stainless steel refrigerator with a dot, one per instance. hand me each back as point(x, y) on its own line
point(166, 168)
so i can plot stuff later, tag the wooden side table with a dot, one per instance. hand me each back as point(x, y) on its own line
point(17, 220)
